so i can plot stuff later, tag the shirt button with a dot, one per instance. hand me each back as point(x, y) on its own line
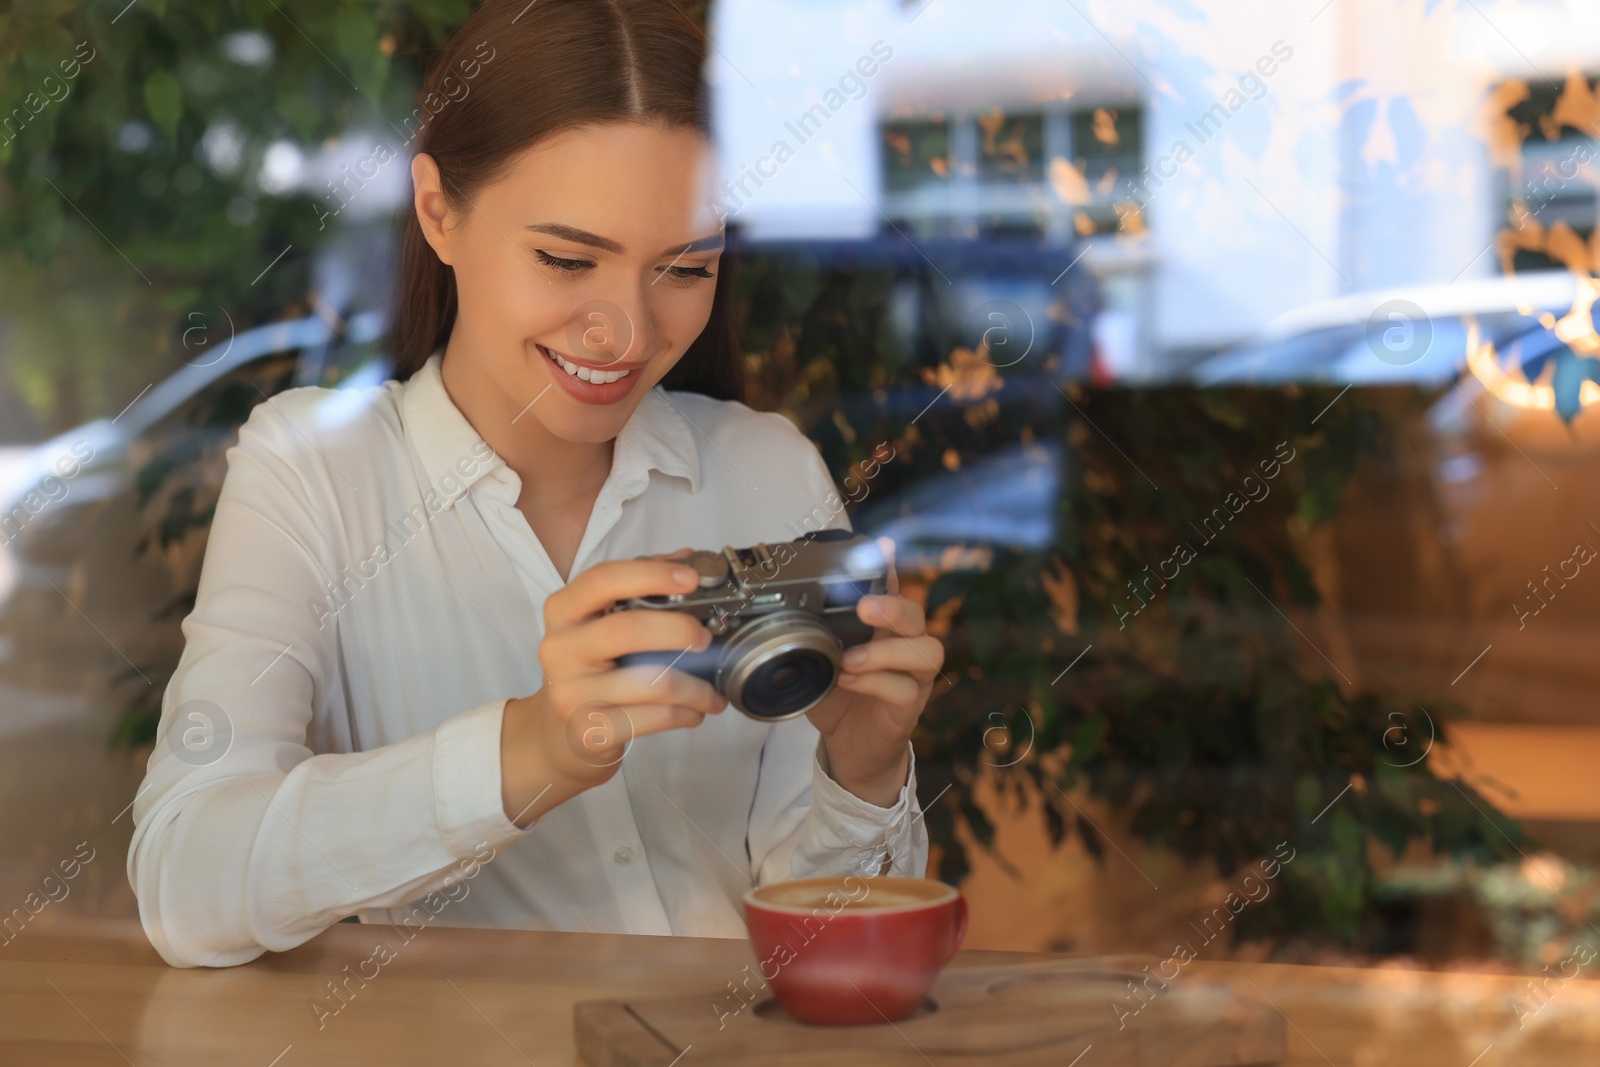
point(623, 854)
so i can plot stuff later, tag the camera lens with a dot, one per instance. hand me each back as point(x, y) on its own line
point(780, 666)
point(786, 683)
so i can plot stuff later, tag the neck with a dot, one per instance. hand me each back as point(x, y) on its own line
point(552, 470)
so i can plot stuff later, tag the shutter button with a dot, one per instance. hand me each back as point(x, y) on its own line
point(623, 854)
point(712, 567)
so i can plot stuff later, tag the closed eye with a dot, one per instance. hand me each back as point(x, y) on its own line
point(689, 273)
point(567, 266)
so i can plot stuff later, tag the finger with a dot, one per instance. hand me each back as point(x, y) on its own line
point(891, 687)
point(643, 630)
point(606, 583)
point(886, 546)
point(677, 553)
point(896, 614)
point(596, 645)
point(654, 718)
point(649, 684)
point(599, 733)
point(922, 656)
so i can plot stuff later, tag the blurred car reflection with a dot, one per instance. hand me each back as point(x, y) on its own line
point(85, 584)
point(1007, 499)
point(1018, 294)
point(1027, 321)
point(1440, 561)
point(1417, 335)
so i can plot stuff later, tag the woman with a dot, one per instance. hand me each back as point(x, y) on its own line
point(398, 685)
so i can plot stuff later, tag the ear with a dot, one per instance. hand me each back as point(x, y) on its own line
point(433, 213)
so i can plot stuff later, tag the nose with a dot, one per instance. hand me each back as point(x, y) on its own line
point(605, 330)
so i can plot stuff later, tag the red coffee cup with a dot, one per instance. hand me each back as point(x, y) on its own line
point(844, 950)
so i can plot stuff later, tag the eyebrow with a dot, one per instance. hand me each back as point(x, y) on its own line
point(699, 244)
point(605, 244)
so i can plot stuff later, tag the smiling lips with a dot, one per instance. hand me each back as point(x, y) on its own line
point(591, 384)
point(588, 374)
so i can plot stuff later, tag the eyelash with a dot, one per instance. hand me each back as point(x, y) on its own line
point(566, 266)
point(687, 275)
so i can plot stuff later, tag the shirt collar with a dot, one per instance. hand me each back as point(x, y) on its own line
point(455, 456)
point(658, 437)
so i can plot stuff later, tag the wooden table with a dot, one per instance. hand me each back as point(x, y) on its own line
point(80, 991)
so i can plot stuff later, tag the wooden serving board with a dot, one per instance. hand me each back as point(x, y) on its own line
point(1022, 1014)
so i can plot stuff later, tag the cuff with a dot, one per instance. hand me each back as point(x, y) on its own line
point(858, 821)
point(466, 782)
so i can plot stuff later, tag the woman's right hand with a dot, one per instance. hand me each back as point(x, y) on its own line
point(571, 735)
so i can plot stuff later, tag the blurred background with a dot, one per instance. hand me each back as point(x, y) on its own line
point(1235, 358)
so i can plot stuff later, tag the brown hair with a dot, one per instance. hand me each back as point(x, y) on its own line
point(530, 70)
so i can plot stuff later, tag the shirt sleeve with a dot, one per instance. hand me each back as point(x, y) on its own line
point(802, 822)
point(245, 841)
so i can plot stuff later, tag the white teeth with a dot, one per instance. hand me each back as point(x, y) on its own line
point(598, 377)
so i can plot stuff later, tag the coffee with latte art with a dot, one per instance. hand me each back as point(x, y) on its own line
point(859, 895)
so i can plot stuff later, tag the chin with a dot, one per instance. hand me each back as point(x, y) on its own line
point(586, 426)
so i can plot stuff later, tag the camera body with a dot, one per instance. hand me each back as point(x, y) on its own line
point(781, 617)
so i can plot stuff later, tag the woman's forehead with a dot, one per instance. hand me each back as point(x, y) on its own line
point(643, 187)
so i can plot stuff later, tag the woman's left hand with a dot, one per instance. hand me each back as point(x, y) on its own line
point(868, 719)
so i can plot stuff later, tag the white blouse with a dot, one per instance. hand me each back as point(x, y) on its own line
point(370, 598)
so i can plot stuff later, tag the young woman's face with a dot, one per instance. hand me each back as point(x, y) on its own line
point(583, 274)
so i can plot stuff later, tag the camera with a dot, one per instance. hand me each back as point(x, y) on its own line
point(780, 616)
